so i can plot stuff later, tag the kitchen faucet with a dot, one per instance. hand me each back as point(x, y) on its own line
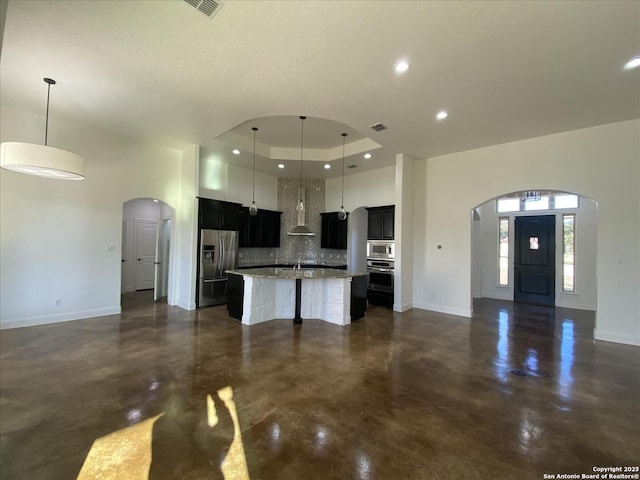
point(297, 267)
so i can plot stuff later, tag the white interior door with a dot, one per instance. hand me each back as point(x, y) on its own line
point(146, 233)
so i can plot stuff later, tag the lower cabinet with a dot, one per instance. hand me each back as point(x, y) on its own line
point(376, 297)
point(358, 297)
point(235, 295)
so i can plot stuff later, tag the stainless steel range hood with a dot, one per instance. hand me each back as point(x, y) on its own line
point(301, 229)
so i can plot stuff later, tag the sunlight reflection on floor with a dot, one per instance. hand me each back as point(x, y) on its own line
point(126, 454)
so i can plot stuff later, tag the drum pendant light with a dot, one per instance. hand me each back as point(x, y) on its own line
point(253, 209)
point(342, 214)
point(42, 160)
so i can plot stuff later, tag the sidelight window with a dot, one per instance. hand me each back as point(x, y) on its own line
point(503, 251)
point(568, 252)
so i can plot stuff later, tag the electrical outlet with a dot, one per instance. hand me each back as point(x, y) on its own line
point(58, 302)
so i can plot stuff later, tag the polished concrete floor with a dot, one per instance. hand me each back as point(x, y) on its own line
point(159, 392)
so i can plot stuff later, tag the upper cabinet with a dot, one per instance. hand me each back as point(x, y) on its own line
point(334, 231)
point(217, 215)
point(381, 223)
point(261, 230)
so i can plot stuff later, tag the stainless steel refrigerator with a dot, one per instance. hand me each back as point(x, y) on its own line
point(218, 253)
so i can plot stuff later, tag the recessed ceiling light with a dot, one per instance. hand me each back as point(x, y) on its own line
point(280, 166)
point(367, 156)
point(155, 200)
point(401, 66)
point(327, 166)
point(442, 114)
point(236, 151)
point(633, 63)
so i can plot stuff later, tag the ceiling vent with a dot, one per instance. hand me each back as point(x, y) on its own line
point(206, 7)
point(378, 127)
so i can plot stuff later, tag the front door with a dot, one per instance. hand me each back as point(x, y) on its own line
point(535, 259)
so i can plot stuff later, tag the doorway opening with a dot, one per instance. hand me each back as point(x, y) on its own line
point(505, 251)
point(146, 246)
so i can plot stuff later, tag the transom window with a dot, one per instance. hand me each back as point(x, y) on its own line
point(537, 203)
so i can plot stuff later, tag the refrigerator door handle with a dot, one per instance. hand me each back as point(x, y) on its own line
point(215, 280)
point(222, 255)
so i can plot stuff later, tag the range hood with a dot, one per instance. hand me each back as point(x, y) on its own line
point(301, 229)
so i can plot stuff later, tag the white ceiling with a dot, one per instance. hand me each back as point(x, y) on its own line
point(162, 71)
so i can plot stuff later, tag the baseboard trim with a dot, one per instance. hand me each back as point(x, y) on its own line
point(615, 337)
point(460, 312)
point(186, 305)
point(59, 317)
point(402, 307)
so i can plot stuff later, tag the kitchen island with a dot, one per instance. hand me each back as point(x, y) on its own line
point(257, 295)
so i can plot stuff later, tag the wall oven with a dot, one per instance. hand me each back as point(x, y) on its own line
point(380, 249)
point(380, 275)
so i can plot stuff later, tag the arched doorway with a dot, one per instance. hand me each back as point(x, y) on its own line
point(493, 247)
point(146, 245)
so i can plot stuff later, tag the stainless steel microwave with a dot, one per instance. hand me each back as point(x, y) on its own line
point(381, 249)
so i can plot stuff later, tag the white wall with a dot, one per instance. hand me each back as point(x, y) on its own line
point(239, 188)
point(184, 249)
point(222, 181)
point(600, 163)
point(367, 189)
point(357, 240)
point(53, 233)
point(485, 254)
point(403, 270)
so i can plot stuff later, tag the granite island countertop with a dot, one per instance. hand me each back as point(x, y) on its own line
point(340, 265)
point(290, 273)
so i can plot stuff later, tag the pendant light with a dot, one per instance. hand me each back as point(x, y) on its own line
point(301, 228)
point(42, 160)
point(300, 206)
point(342, 215)
point(253, 209)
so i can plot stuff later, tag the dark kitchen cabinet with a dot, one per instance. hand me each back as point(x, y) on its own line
point(334, 231)
point(381, 223)
point(217, 215)
point(261, 230)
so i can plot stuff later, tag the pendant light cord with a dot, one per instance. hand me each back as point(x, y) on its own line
point(344, 137)
point(253, 199)
point(301, 143)
point(49, 82)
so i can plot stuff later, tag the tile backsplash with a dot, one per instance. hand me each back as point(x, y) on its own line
point(306, 248)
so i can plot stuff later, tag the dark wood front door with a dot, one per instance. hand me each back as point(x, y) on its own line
point(535, 259)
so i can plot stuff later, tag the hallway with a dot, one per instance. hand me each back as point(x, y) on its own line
point(413, 395)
